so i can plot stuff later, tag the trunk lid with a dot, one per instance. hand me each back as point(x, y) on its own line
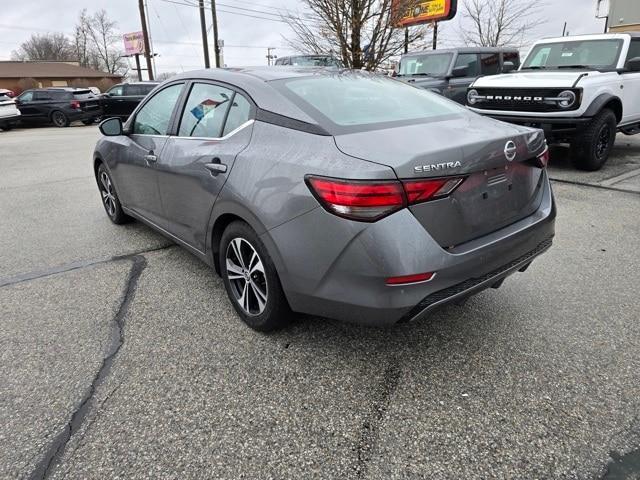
point(496, 191)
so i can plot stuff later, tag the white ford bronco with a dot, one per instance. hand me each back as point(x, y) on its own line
point(580, 90)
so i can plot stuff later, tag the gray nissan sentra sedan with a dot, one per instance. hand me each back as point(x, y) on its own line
point(333, 193)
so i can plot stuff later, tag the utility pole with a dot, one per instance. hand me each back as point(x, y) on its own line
point(435, 35)
point(270, 56)
point(145, 36)
point(406, 39)
point(216, 47)
point(203, 27)
point(137, 55)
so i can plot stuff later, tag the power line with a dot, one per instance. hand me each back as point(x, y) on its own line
point(232, 12)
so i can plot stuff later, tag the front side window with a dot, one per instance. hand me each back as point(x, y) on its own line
point(116, 91)
point(470, 61)
point(433, 64)
point(490, 63)
point(513, 57)
point(238, 114)
point(155, 115)
point(26, 97)
point(356, 102)
point(634, 50)
point(205, 111)
point(585, 54)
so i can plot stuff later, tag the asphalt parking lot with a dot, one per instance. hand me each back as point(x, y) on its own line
point(121, 357)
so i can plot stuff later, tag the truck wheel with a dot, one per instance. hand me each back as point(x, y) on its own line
point(591, 147)
point(59, 119)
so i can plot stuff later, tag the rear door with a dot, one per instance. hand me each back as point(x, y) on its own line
point(458, 86)
point(213, 128)
point(135, 173)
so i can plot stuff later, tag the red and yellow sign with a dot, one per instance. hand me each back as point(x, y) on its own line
point(416, 12)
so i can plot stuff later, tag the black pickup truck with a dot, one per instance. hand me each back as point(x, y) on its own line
point(59, 106)
point(122, 99)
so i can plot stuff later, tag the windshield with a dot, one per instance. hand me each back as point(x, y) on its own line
point(348, 102)
point(586, 54)
point(310, 61)
point(435, 65)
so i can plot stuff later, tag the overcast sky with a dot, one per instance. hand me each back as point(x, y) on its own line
point(176, 34)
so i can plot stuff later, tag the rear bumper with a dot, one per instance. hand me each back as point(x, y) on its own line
point(75, 115)
point(9, 120)
point(332, 271)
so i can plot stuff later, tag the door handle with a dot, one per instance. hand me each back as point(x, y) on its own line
point(151, 158)
point(216, 167)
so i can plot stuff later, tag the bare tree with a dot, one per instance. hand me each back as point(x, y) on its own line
point(96, 43)
point(360, 32)
point(26, 84)
point(49, 46)
point(496, 23)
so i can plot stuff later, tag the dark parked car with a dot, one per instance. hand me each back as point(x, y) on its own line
point(450, 71)
point(309, 61)
point(122, 99)
point(307, 196)
point(59, 106)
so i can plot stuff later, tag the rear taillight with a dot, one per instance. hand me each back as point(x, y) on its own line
point(542, 160)
point(370, 200)
point(75, 104)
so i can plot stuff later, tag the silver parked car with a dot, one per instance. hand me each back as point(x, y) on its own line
point(333, 193)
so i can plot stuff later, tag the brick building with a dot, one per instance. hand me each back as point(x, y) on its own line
point(52, 74)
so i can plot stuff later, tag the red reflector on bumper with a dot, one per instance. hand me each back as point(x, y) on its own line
point(409, 279)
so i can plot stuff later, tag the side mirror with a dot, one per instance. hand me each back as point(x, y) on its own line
point(508, 67)
point(111, 127)
point(459, 72)
point(633, 65)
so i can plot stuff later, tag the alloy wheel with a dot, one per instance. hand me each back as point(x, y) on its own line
point(245, 271)
point(108, 195)
point(59, 119)
point(603, 141)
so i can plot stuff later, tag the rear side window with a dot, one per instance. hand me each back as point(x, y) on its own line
point(490, 63)
point(238, 114)
point(205, 111)
point(155, 115)
point(469, 60)
point(43, 95)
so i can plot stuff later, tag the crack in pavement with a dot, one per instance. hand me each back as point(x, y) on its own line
point(369, 430)
point(593, 185)
point(56, 448)
point(68, 267)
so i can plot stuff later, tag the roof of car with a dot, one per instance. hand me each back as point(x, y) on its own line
point(463, 50)
point(254, 81)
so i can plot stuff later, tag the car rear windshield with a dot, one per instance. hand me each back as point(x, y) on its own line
point(353, 102)
point(431, 64)
point(83, 94)
point(312, 61)
point(575, 54)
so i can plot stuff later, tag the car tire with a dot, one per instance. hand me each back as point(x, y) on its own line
point(591, 147)
point(251, 279)
point(109, 197)
point(6, 127)
point(59, 119)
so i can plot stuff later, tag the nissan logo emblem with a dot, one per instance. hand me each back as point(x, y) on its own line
point(510, 150)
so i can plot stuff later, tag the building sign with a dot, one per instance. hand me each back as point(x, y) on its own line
point(133, 43)
point(416, 12)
